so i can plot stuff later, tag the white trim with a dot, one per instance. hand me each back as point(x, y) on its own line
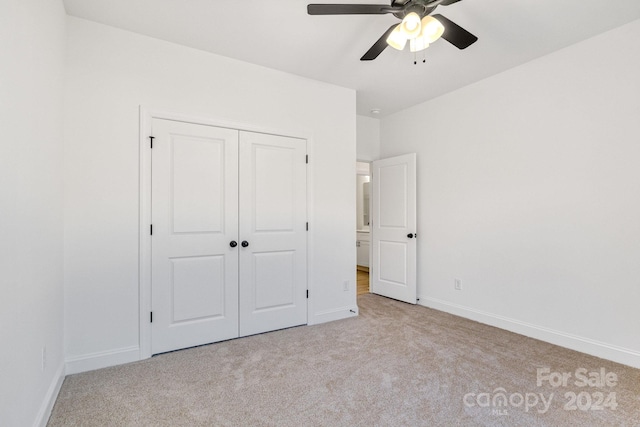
point(574, 342)
point(148, 114)
point(144, 252)
point(361, 171)
point(144, 260)
point(42, 418)
point(89, 362)
point(334, 314)
point(311, 233)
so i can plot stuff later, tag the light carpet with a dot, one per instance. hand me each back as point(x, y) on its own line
point(394, 365)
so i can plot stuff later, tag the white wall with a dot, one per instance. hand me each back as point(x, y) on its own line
point(528, 187)
point(367, 138)
point(32, 37)
point(110, 74)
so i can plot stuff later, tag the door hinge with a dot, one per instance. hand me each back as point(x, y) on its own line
point(151, 316)
point(307, 293)
point(306, 158)
point(307, 226)
point(151, 229)
point(151, 138)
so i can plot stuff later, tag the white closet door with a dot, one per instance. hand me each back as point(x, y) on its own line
point(273, 262)
point(194, 216)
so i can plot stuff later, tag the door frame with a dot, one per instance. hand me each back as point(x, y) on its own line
point(147, 115)
point(369, 162)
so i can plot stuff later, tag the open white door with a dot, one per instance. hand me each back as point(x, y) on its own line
point(393, 228)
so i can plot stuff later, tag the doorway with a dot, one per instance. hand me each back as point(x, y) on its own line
point(386, 227)
point(363, 209)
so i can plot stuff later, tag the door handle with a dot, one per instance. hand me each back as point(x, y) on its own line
point(411, 235)
point(244, 243)
point(233, 243)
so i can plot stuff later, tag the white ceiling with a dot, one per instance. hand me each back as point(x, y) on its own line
point(279, 34)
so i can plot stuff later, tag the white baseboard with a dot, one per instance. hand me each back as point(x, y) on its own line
point(334, 314)
point(89, 362)
point(50, 398)
point(603, 350)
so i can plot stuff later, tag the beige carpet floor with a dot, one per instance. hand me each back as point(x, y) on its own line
point(394, 365)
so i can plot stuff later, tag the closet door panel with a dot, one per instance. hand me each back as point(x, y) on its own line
point(195, 217)
point(273, 217)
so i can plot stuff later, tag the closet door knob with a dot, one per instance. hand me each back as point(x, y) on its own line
point(410, 235)
point(233, 243)
point(244, 243)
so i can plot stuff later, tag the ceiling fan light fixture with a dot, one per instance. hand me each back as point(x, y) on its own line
point(411, 25)
point(397, 39)
point(431, 29)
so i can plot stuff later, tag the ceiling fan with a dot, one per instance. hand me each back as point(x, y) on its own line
point(418, 27)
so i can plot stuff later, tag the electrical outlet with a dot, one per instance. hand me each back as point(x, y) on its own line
point(345, 286)
point(457, 284)
point(44, 358)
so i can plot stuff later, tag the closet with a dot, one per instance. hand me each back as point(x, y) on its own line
point(229, 240)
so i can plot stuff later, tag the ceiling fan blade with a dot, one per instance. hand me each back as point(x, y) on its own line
point(350, 9)
point(455, 34)
point(378, 46)
point(448, 2)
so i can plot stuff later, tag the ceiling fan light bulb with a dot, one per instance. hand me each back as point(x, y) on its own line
point(397, 39)
point(411, 25)
point(431, 29)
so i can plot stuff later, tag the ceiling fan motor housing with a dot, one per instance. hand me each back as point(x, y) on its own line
point(421, 7)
